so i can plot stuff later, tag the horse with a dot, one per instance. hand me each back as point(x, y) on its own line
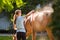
point(37, 21)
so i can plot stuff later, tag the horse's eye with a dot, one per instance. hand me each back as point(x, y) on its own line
point(46, 14)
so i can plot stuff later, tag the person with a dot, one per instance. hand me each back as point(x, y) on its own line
point(21, 32)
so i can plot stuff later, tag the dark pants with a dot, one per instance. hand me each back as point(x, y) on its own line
point(21, 35)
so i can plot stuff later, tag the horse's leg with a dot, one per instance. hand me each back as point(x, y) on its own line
point(49, 32)
point(28, 33)
point(34, 36)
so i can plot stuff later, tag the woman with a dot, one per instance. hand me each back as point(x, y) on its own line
point(19, 23)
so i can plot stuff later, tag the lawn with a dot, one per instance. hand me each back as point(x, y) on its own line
point(10, 38)
point(5, 38)
point(30, 38)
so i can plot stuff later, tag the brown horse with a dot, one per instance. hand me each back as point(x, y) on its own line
point(37, 21)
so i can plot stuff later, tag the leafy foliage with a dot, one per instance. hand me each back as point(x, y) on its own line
point(7, 5)
point(56, 14)
point(56, 19)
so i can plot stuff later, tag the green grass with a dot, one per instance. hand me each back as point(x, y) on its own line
point(5, 38)
point(10, 38)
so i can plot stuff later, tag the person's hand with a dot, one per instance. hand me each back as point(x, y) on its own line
point(15, 28)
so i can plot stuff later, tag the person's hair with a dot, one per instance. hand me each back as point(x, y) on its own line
point(17, 11)
point(14, 19)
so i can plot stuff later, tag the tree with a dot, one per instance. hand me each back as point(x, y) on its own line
point(56, 19)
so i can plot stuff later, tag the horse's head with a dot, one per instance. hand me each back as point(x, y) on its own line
point(48, 10)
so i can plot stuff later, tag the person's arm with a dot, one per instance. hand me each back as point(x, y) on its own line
point(30, 13)
point(14, 22)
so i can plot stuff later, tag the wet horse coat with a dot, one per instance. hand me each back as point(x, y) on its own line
point(37, 22)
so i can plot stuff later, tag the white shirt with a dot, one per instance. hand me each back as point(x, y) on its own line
point(19, 24)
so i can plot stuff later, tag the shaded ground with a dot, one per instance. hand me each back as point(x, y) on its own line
point(40, 36)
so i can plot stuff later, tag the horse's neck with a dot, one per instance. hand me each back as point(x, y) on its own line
point(38, 15)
